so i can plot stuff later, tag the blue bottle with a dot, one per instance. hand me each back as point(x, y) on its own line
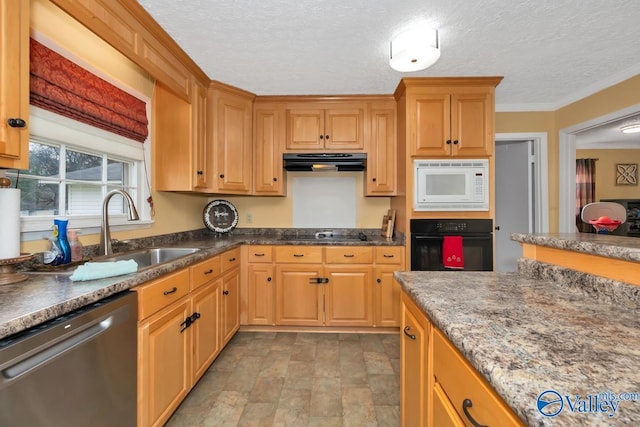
point(60, 233)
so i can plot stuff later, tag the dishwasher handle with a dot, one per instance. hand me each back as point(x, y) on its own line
point(22, 367)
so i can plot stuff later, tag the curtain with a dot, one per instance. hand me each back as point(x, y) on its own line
point(585, 190)
point(65, 88)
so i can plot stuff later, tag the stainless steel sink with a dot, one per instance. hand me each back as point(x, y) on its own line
point(145, 258)
point(150, 256)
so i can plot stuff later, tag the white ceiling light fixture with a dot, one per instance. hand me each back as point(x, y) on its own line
point(414, 49)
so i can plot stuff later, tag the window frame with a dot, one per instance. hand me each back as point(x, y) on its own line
point(48, 127)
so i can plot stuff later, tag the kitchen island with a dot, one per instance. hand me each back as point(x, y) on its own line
point(544, 328)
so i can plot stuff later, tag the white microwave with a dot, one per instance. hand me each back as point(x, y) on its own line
point(451, 185)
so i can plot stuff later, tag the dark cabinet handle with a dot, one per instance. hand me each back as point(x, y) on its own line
point(275, 179)
point(326, 137)
point(298, 255)
point(348, 255)
point(321, 136)
point(379, 280)
point(497, 228)
point(200, 173)
point(221, 175)
point(195, 316)
point(268, 279)
point(16, 123)
point(374, 180)
point(406, 332)
point(448, 142)
point(189, 321)
point(173, 290)
point(232, 259)
point(318, 280)
point(388, 256)
point(225, 292)
point(262, 254)
point(467, 403)
point(455, 142)
point(209, 271)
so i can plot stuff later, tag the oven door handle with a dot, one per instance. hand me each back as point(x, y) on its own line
point(488, 237)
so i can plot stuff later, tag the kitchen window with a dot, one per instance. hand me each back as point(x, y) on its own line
point(72, 166)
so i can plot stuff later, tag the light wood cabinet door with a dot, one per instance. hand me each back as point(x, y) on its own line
point(206, 328)
point(327, 127)
point(299, 297)
point(348, 295)
point(203, 150)
point(232, 141)
point(165, 375)
point(413, 367)
point(14, 84)
point(380, 176)
point(386, 298)
point(261, 294)
point(472, 123)
point(268, 138)
point(230, 290)
point(172, 141)
point(456, 123)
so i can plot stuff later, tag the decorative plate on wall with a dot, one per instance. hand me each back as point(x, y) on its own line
point(220, 216)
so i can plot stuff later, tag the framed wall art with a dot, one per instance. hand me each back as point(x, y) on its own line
point(626, 174)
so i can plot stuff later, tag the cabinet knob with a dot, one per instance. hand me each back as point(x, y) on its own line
point(16, 123)
point(275, 179)
point(321, 136)
point(225, 292)
point(455, 142)
point(374, 180)
point(448, 142)
point(200, 173)
point(326, 137)
point(268, 279)
point(221, 175)
point(379, 280)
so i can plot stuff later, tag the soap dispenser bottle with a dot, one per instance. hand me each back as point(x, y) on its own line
point(75, 244)
point(60, 233)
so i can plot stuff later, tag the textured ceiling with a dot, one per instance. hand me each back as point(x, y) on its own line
point(550, 52)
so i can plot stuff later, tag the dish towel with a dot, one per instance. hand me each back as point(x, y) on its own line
point(100, 270)
point(452, 253)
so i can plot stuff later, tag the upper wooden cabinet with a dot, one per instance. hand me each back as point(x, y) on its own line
point(449, 116)
point(201, 141)
point(231, 132)
point(268, 145)
point(14, 84)
point(380, 176)
point(325, 127)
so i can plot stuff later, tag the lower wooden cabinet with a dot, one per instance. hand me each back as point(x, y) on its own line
point(298, 296)
point(439, 387)
point(414, 344)
point(184, 321)
point(386, 297)
point(348, 295)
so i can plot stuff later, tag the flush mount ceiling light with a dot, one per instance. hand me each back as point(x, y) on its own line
point(414, 50)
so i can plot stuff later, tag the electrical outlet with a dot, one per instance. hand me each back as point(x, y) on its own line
point(249, 218)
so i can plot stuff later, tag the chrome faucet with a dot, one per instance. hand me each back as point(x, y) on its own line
point(105, 232)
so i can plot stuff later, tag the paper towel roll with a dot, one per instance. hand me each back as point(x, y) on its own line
point(9, 223)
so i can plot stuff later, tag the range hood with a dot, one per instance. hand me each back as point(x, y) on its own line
point(345, 162)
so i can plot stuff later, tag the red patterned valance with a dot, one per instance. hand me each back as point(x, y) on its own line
point(63, 87)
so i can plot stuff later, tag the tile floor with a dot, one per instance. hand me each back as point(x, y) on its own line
point(298, 379)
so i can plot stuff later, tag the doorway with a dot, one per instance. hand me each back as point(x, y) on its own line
point(521, 193)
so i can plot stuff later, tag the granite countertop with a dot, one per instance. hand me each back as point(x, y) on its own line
point(526, 336)
point(607, 245)
point(45, 296)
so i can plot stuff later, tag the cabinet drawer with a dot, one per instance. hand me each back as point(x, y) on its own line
point(460, 381)
point(205, 271)
point(389, 254)
point(349, 255)
point(259, 253)
point(230, 259)
point(301, 254)
point(162, 292)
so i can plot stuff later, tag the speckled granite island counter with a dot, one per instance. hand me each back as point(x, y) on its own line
point(546, 327)
point(47, 296)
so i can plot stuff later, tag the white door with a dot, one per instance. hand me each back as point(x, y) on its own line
point(514, 200)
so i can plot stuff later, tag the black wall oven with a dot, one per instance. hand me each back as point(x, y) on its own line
point(428, 237)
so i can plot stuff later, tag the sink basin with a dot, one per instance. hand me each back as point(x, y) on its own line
point(149, 257)
point(145, 258)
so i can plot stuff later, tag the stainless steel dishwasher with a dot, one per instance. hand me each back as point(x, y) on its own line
point(76, 370)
